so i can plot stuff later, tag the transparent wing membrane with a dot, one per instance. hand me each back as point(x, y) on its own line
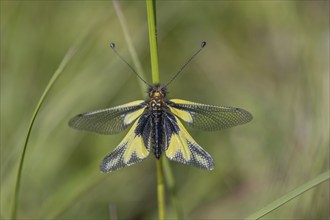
point(109, 121)
point(208, 117)
point(157, 128)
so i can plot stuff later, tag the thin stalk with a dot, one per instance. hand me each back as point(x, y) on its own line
point(160, 190)
point(129, 41)
point(291, 195)
point(57, 73)
point(171, 186)
point(151, 12)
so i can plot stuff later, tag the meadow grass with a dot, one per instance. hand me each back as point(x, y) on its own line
point(270, 58)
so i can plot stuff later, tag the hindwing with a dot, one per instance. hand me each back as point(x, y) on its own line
point(134, 148)
point(181, 147)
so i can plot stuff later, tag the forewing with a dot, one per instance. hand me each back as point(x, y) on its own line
point(208, 117)
point(134, 148)
point(109, 121)
point(182, 148)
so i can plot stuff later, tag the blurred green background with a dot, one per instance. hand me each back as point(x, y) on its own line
point(269, 57)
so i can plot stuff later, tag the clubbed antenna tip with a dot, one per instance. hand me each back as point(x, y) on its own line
point(112, 45)
point(203, 44)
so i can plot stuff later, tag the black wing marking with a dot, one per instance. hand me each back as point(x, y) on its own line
point(181, 147)
point(134, 148)
point(109, 121)
point(208, 117)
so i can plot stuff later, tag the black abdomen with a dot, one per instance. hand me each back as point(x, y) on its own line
point(157, 129)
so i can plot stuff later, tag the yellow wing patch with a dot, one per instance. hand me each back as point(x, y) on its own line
point(184, 149)
point(129, 118)
point(183, 102)
point(130, 151)
point(178, 145)
point(133, 103)
point(135, 146)
point(184, 115)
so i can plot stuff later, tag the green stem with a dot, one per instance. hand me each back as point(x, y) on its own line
point(160, 190)
point(171, 186)
point(151, 11)
point(57, 73)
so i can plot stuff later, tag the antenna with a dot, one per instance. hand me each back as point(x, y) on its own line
point(112, 45)
point(203, 44)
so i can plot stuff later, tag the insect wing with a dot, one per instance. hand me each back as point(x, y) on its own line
point(208, 117)
point(182, 148)
point(134, 148)
point(109, 121)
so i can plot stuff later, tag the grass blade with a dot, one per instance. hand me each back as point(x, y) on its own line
point(172, 188)
point(55, 76)
point(291, 195)
point(151, 12)
point(128, 39)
